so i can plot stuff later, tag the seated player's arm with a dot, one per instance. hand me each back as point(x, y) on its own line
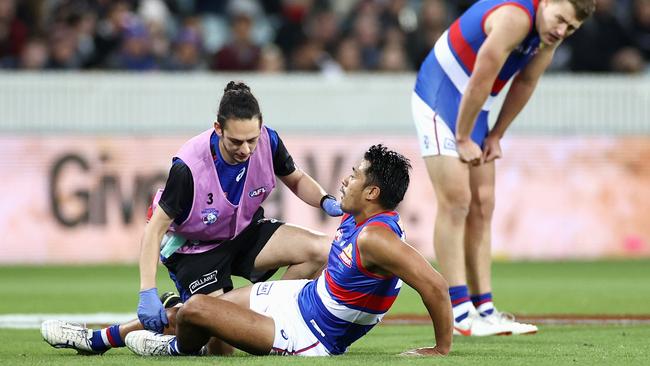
point(304, 187)
point(382, 251)
point(506, 28)
point(150, 247)
point(521, 89)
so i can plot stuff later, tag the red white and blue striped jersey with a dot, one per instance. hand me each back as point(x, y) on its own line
point(445, 73)
point(346, 301)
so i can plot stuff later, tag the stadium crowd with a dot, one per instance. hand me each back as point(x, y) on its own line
point(328, 36)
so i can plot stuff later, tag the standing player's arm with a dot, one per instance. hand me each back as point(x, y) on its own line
point(382, 251)
point(506, 27)
point(521, 90)
point(150, 247)
point(304, 187)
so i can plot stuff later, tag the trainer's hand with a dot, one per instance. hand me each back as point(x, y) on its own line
point(469, 151)
point(424, 351)
point(331, 206)
point(491, 149)
point(151, 312)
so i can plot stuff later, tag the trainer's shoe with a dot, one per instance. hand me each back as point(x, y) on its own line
point(146, 343)
point(60, 334)
point(170, 299)
point(474, 325)
point(508, 320)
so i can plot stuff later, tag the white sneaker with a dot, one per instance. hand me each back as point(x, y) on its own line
point(508, 320)
point(60, 334)
point(146, 343)
point(474, 325)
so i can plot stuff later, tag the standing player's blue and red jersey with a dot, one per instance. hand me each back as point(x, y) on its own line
point(346, 301)
point(445, 73)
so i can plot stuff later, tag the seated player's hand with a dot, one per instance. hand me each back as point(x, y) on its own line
point(424, 351)
point(331, 206)
point(151, 311)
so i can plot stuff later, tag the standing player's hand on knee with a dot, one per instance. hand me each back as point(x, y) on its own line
point(331, 206)
point(151, 311)
point(469, 151)
point(491, 149)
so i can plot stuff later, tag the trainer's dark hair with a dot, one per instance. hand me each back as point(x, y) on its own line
point(389, 171)
point(238, 103)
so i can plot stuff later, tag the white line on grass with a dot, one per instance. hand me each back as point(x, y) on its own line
point(33, 321)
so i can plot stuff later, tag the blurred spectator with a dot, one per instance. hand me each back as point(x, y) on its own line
point(187, 52)
point(603, 44)
point(367, 33)
point(271, 60)
point(136, 53)
point(348, 55)
point(63, 49)
point(641, 27)
point(108, 34)
point(393, 55)
point(432, 22)
point(13, 34)
point(241, 53)
point(34, 55)
point(290, 31)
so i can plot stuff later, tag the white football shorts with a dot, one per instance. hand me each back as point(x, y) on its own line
point(279, 300)
point(434, 136)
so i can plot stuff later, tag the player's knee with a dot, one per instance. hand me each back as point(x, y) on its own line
point(456, 210)
point(483, 204)
point(191, 310)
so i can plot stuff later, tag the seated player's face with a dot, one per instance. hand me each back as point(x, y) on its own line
point(352, 189)
point(238, 139)
point(556, 21)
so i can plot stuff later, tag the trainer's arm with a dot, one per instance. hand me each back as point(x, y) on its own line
point(506, 28)
point(304, 187)
point(521, 90)
point(150, 247)
point(382, 251)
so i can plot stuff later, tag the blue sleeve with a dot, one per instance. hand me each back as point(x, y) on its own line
point(273, 136)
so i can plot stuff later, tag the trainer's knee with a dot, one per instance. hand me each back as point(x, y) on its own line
point(455, 208)
point(319, 249)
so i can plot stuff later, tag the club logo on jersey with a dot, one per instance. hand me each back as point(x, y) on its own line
point(284, 334)
point(256, 192)
point(205, 280)
point(209, 215)
point(346, 256)
point(264, 288)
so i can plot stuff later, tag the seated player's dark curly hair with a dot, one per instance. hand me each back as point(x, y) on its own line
point(238, 103)
point(388, 170)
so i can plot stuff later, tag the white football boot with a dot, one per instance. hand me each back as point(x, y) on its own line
point(61, 334)
point(508, 320)
point(474, 325)
point(146, 343)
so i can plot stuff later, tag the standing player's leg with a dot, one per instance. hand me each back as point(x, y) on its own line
point(478, 254)
point(450, 179)
point(478, 243)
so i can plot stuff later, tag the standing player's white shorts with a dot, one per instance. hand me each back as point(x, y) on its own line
point(434, 136)
point(279, 300)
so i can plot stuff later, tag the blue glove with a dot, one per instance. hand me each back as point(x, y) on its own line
point(331, 205)
point(151, 312)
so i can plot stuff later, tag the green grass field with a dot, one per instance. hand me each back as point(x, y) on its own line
point(579, 288)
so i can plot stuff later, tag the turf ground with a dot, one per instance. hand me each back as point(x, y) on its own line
point(573, 288)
